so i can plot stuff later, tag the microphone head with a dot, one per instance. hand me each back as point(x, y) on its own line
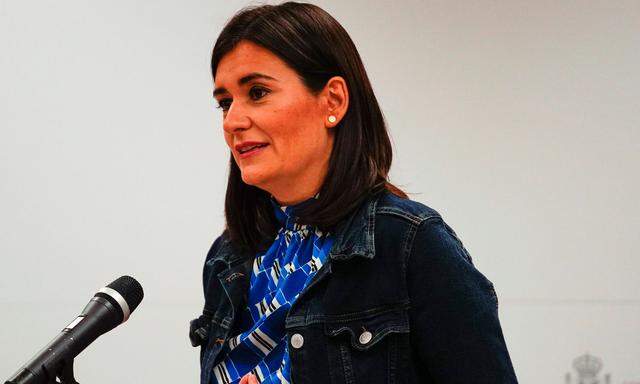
point(124, 293)
point(129, 289)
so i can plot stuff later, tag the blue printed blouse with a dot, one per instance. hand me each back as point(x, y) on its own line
point(279, 275)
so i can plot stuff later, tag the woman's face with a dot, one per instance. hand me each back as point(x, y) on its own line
point(264, 101)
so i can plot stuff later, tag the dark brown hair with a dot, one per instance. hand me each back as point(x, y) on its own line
point(317, 48)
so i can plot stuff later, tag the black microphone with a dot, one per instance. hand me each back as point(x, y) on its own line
point(110, 307)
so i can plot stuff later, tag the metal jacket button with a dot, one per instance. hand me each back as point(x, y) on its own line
point(297, 340)
point(365, 337)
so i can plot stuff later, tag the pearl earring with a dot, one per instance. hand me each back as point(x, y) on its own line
point(332, 119)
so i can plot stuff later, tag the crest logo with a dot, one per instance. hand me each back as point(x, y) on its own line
point(587, 368)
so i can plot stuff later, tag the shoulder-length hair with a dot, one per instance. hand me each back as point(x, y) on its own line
point(317, 48)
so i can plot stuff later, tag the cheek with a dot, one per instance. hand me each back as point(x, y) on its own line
point(228, 139)
point(297, 129)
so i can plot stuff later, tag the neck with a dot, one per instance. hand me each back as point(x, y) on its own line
point(293, 198)
point(298, 189)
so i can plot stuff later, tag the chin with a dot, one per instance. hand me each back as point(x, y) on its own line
point(253, 177)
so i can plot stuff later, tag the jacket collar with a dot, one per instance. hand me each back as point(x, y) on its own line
point(353, 236)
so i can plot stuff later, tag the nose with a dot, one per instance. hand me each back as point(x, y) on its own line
point(235, 119)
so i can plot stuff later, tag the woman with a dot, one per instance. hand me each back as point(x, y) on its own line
point(326, 272)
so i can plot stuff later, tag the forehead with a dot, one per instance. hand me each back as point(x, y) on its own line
point(248, 57)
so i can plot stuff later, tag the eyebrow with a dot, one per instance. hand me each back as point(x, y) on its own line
point(243, 80)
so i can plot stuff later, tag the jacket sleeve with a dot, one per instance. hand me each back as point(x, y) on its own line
point(199, 327)
point(455, 331)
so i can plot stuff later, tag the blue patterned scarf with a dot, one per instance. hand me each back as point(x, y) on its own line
point(278, 276)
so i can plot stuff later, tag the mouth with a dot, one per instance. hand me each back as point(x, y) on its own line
point(251, 150)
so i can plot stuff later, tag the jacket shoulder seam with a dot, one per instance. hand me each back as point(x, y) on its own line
point(414, 219)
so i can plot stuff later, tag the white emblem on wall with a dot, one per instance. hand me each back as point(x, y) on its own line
point(587, 368)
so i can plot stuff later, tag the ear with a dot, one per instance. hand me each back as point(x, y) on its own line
point(336, 95)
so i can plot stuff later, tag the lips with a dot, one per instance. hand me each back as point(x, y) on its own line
point(248, 145)
point(246, 149)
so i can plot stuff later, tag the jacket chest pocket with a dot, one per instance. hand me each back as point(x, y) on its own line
point(367, 347)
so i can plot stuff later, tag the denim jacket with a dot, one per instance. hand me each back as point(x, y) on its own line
point(397, 301)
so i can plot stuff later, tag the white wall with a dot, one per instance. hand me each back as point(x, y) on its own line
point(517, 120)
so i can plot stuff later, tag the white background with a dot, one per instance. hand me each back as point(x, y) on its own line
point(518, 121)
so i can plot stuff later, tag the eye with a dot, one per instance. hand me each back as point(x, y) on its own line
point(222, 104)
point(259, 92)
point(255, 93)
